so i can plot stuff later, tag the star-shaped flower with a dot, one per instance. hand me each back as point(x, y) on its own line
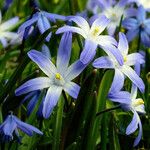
point(59, 78)
point(129, 60)
point(92, 37)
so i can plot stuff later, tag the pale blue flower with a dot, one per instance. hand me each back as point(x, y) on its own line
point(129, 102)
point(59, 78)
point(6, 36)
point(92, 37)
point(113, 10)
point(129, 60)
point(10, 127)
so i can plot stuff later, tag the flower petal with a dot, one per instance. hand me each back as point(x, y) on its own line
point(137, 140)
point(130, 23)
point(33, 85)
point(74, 70)
point(72, 89)
point(131, 34)
point(71, 29)
point(118, 82)
point(3, 41)
point(64, 52)
point(28, 129)
point(145, 38)
point(51, 100)
point(133, 124)
point(43, 25)
point(80, 21)
point(9, 24)
point(131, 74)
point(114, 54)
point(141, 14)
point(122, 97)
point(123, 44)
point(103, 62)
point(43, 62)
point(32, 104)
point(88, 52)
point(106, 40)
point(52, 17)
point(28, 23)
point(101, 23)
point(9, 126)
point(133, 58)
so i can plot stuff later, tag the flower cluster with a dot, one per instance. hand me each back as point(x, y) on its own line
point(104, 46)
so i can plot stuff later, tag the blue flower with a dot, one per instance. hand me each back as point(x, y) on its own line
point(138, 26)
point(10, 127)
point(59, 78)
point(92, 37)
point(129, 60)
point(113, 10)
point(128, 102)
point(41, 18)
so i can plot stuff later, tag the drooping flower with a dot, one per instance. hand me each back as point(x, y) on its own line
point(6, 36)
point(59, 78)
point(138, 26)
point(114, 11)
point(42, 20)
point(129, 102)
point(129, 60)
point(10, 127)
point(92, 37)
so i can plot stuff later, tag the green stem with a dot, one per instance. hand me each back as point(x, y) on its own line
point(108, 110)
point(58, 125)
point(104, 132)
point(139, 41)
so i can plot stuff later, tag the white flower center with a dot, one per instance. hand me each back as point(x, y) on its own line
point(114, 14)
point(138, 102)
point(59, 80)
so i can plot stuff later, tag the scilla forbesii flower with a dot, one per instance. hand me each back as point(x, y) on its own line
point(59, 78)
point(138, 26)
point(6, 36)
point(129, 60)
point(92, 37)
point(10, 127)
point(113, 10)
point(129, 102)
point(42, 20)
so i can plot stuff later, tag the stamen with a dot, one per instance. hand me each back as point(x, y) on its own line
point(58, 76)
point(139, 102)
point(95, 31)
point(125, 58)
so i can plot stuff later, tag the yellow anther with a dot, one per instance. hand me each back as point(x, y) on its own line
point(125, 58)
point(122, 30)
point(58, 76)
point(113, 14)
point(139, 102)
point(96, 31)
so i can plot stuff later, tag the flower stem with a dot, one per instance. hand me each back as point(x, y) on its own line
point(108, 110)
